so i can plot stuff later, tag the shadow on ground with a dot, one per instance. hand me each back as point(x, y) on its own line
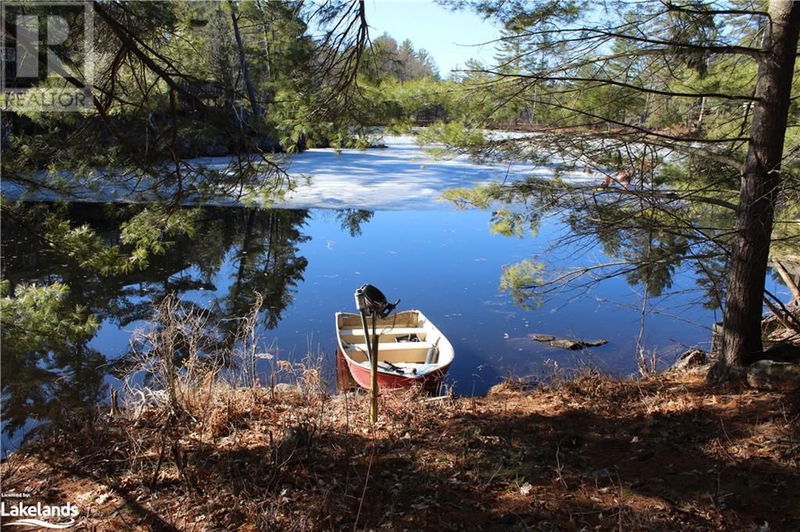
point(587, 454)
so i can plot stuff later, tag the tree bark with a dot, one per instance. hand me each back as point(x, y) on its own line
point(248, 82)
point(761, 182)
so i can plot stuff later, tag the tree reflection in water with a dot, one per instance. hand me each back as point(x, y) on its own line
point(54, 300)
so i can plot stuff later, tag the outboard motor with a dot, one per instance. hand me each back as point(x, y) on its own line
point(370, 299)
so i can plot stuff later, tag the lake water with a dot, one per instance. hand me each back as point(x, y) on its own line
point(309, 261)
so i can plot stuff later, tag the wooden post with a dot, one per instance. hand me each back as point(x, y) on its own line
point(373, 411)
point(372, 353)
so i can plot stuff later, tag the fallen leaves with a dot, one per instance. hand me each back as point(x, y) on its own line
point(592, 452)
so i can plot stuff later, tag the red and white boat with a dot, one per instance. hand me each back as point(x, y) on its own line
point(411, 351)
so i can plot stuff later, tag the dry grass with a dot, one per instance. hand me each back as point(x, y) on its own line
point(584, 453)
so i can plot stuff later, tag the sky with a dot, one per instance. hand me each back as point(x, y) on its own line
point(451, 38)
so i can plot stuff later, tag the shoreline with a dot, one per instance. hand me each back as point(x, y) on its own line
point(663, 452)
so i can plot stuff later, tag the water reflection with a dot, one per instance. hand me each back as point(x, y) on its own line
point(307, 264)
point(61, 386)
point(53, 304)
point(647, 237)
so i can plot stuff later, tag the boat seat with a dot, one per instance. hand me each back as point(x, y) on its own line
point(399, 346)
point(385, 331)
point(411, 352)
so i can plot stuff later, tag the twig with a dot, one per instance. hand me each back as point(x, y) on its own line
point(366, 482)
point(434, 399)
point(560, 468)
point(787, 318)
point(154, 478)
point(787, 278)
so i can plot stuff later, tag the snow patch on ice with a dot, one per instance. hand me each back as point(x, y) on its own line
point(400, 176)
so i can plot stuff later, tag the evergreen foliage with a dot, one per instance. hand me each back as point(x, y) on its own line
point(681, 107)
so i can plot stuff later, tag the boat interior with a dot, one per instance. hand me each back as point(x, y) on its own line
point(405, 338)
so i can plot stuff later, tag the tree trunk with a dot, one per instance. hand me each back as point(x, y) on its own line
point(248, 83)
point(266, 34)
point(761, 181)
